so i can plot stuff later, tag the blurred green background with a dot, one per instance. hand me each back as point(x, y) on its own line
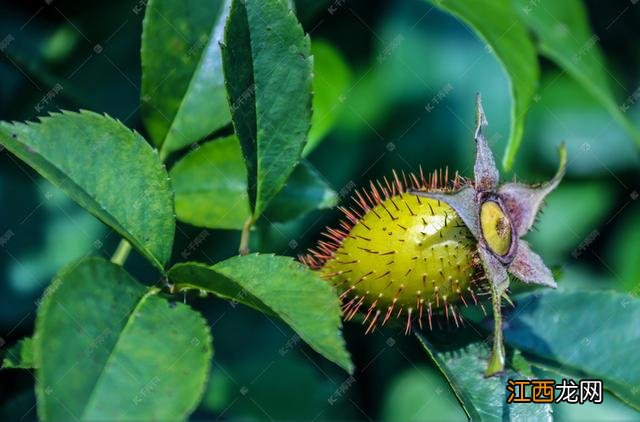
point(397, 81)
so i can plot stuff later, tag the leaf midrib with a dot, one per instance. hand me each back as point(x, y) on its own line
point(131, 316)
point(214, 30)
point(234, 187)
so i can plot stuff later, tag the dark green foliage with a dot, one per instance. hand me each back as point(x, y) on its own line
point(267, 60)
point(610, 324)
point(241, 119)
point(482, 398)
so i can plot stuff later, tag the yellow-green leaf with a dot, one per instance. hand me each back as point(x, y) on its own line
point(331, 79)
point(562, 28)
point(19, 356)
point(497, 23)
point(210, 185)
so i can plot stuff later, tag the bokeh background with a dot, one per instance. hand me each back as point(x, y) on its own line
point(407, 78)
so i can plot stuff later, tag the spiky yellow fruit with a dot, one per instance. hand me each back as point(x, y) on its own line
point(400, 253)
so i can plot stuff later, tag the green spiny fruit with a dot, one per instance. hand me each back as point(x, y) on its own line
point(397, 253)
point(411, 246)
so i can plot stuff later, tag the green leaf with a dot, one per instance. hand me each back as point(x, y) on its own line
point(577, 119)
point(482, 398)
point(565, 37)
point(183, 94)
point(276, 285)
point(19, 356)
point(210, 185)
point(331, 79)
point(593, 332)
point(109, 348)
point(496, 22)
point(105, 167)
point(609, 410)
point(267, 65)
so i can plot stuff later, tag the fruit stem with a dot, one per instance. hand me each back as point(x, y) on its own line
point(163, 153)
point(122, 252)
point(495, 364)
point(245, 236)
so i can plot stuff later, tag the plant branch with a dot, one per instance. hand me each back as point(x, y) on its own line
point(122, 252)
point(245, 236)
point(163, 154)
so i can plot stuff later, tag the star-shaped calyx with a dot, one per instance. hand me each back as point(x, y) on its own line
point(498, 216)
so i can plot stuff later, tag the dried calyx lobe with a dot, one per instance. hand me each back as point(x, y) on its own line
point(517, 206)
